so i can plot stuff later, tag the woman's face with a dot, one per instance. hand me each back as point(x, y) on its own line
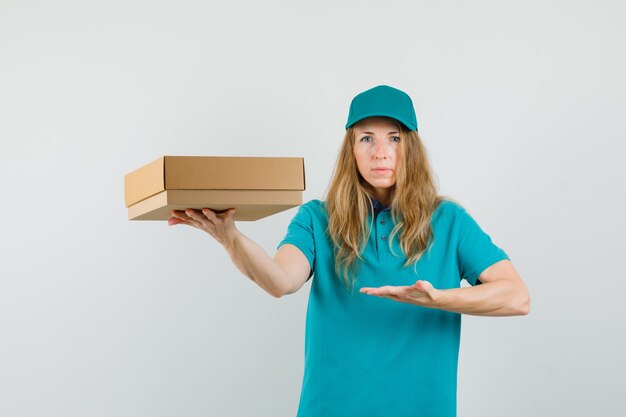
point(376, 149)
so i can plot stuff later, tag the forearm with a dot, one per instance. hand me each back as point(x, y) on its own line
point(496, 298)
point(256, 264)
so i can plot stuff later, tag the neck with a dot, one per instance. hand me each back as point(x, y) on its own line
point(383, 196)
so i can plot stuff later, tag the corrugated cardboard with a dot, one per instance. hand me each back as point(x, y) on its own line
point(256, 186)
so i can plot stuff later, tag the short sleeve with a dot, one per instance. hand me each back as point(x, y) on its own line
point(475, 250)
point(300, 234)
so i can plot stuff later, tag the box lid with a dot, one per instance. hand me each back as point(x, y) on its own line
point(214, 173)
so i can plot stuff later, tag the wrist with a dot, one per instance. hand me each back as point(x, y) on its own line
point(441, 298)
point(230, 241)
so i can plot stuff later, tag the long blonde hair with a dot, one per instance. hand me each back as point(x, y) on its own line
point(348, 203)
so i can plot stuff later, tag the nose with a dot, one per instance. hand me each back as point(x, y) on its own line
point(380, 150)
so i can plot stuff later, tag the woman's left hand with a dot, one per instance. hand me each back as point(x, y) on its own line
point(422, 293)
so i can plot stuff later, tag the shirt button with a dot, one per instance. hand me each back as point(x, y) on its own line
point(383, 237)
point(382, 221)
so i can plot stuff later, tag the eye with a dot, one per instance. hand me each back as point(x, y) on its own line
point(395, 138)
point(366, 139)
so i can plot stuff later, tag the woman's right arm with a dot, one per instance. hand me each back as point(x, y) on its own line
point(285, 274)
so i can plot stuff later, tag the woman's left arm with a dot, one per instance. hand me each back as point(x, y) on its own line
point(502, 293)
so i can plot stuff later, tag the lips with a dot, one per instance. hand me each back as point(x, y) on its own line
point(381, 169)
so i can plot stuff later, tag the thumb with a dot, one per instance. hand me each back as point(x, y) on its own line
point(422, 285)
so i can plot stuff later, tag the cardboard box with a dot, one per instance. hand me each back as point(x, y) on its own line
point(256, 186)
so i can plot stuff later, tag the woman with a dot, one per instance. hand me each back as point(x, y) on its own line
point(390, 348)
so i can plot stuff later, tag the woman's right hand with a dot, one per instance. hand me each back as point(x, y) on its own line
point(219, 225)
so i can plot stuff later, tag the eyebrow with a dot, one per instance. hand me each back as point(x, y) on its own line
point(372, 133)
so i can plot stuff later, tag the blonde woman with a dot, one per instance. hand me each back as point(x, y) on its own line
point(387, 255)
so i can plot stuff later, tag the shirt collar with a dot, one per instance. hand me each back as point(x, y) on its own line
point(378, 206)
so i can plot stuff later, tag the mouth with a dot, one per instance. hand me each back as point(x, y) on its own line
point(381, 170)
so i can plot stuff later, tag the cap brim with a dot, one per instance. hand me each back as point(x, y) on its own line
point(409, 125)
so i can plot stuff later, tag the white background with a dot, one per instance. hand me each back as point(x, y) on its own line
point(520, 105)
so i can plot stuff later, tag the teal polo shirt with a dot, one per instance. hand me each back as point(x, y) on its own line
point(372, 356)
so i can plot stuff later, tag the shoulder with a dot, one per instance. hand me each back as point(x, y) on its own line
point(317, 205)
point(449, 209)
point(313, 209)
point(452, 214)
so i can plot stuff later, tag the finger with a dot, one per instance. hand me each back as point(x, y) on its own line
point(180, 214)
point(222, 217)
point(384, 295)
point(209, 214)
point(197, 219)
point(385, 290)
point(172, 221)
point(423, 286)
point(227, 214)
point(194, 215)
point(427, 289)
point(371, 290)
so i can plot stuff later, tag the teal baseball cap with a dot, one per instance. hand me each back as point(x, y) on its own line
point(383, 100)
